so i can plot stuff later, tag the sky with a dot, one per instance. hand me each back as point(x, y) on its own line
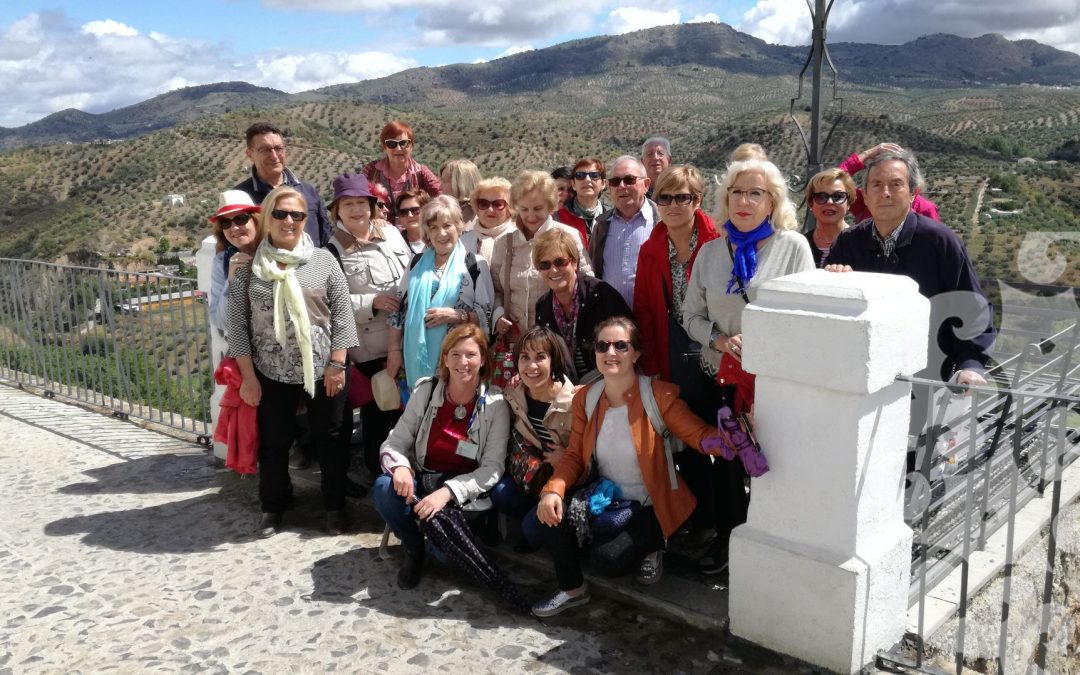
point(99, 56)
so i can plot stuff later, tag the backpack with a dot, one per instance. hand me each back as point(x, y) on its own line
point(671, 443)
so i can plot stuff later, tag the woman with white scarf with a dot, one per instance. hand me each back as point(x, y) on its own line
point(290, 325)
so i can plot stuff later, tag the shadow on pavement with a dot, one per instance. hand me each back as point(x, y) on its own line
point(154, 474)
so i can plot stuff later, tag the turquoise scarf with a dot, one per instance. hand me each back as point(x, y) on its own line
point(423, 344)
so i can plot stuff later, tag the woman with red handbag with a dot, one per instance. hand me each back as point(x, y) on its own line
point(759, 242)
point(540, 401)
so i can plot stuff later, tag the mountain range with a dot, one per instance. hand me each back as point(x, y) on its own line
point(933, 61)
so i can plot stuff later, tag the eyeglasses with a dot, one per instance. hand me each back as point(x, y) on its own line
point(753, 195)
point(394, 145)
point(825, 197)
point(282, 214)
point(267, 149)
point(239, 220)
point(410, 211)
point(558, 263)
point(616, 181)
point(683, 198)
point(621, 346)
point(485, 204)
point(591, 175)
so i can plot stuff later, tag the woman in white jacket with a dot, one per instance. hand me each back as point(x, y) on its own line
point(448, 448)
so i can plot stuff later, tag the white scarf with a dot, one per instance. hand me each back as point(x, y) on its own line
point(288, 297)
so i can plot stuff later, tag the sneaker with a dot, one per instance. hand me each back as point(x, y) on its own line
point(336, 523)
point(297, 458)
point(715, 559)
point(558, 603)
point(652, 568)
point(412, 568)
point(269, 525)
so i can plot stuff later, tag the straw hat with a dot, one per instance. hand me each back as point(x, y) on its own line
point(386, 392)
point(234, 201)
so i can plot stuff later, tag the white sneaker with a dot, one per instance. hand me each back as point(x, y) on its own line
point(559, 602)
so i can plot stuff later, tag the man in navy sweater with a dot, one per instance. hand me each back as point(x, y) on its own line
point(896, 240)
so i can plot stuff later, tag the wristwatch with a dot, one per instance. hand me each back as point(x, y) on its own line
point(336, 364)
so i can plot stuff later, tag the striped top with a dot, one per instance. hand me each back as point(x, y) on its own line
point(537, 411)
point(251, 319)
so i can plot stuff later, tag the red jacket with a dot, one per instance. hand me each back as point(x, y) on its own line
point(568, 217)
point(653, 277)
point(237, 426)
point(859, 212)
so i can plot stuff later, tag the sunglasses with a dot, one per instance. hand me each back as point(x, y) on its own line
point(616, 181)
point(621, 346)
point(681, 198)
point(485, 204)
point(282, 214)
point(558, 263)
point(382, 205)
point(825, 197)
point(410, 211)
point(591, 175)
point(239, 220)
point(394, 145)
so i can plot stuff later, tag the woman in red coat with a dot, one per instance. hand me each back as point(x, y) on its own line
point(664, 265)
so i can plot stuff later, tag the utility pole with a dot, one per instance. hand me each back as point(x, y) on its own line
point(819, 55)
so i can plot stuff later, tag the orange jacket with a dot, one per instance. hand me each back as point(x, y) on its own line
point(672, 507)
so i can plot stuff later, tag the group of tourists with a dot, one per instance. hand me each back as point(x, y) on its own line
point(526, 345)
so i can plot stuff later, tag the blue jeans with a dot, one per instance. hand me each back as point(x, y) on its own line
point(510, 501)
point(397, 514)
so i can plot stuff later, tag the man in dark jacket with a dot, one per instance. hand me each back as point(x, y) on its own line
point(896, 240)
point(266, 150)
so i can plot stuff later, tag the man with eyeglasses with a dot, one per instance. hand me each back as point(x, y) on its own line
point(656, 156)
point(897, 240)
point(266, 150)
point(619, 232)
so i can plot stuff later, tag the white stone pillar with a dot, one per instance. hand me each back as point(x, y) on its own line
point(820, 570)
point(204, 262)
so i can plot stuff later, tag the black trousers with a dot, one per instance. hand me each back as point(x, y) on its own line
point(615, 557)
point(376, 424)
point(277, 426)
point(716, 483)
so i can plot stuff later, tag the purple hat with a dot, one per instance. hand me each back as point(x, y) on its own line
point(350, 185)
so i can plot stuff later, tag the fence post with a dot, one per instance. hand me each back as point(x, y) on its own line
point(204, 261)
point(821, 568)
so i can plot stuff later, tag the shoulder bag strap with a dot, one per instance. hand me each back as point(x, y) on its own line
point(671, 443)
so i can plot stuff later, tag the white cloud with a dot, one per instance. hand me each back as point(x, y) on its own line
point(48, 64)
point(109, 27)
point(1054, 22)
point(710, 17)
point(510, 51)
point(630, 19)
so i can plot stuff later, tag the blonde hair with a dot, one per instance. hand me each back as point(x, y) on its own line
point(745, 151)
point(539, 181)
point(491, 184)
point(783, 214)
point(676, 176)
point(464, 176)
point(555, 241)
point(830, 176)
point(270, 203)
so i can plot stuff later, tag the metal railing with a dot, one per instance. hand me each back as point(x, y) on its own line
point(984, 453)
point(135, 343)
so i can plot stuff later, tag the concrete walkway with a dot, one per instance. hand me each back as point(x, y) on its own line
point(124, 550)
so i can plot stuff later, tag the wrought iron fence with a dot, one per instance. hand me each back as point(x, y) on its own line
point(135, 343)
point(982, 455)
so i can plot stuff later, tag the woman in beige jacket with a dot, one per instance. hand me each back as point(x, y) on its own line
point(518, 285)
point(374, 257)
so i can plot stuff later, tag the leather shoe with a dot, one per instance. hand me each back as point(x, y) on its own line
point(269, 524)
point(336, 523)
point(412, 567)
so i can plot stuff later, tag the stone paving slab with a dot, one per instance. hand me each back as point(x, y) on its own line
point(123, 550)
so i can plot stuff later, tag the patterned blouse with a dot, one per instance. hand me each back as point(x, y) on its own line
point(251, 319)
point(680, 273)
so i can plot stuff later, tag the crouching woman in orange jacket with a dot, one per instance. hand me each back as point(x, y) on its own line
point(616, 457)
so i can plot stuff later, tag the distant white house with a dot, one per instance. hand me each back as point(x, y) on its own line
point(174, 200)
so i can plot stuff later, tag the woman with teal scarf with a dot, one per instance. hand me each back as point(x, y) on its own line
point(758, 242)
point(445, 286)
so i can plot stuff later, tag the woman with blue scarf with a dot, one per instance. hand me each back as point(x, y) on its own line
point(445, 286)
point(758, 242)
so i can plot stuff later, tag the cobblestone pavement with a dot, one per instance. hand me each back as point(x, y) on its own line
point(124, 550)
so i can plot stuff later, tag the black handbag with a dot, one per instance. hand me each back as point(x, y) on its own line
point(684, 355)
